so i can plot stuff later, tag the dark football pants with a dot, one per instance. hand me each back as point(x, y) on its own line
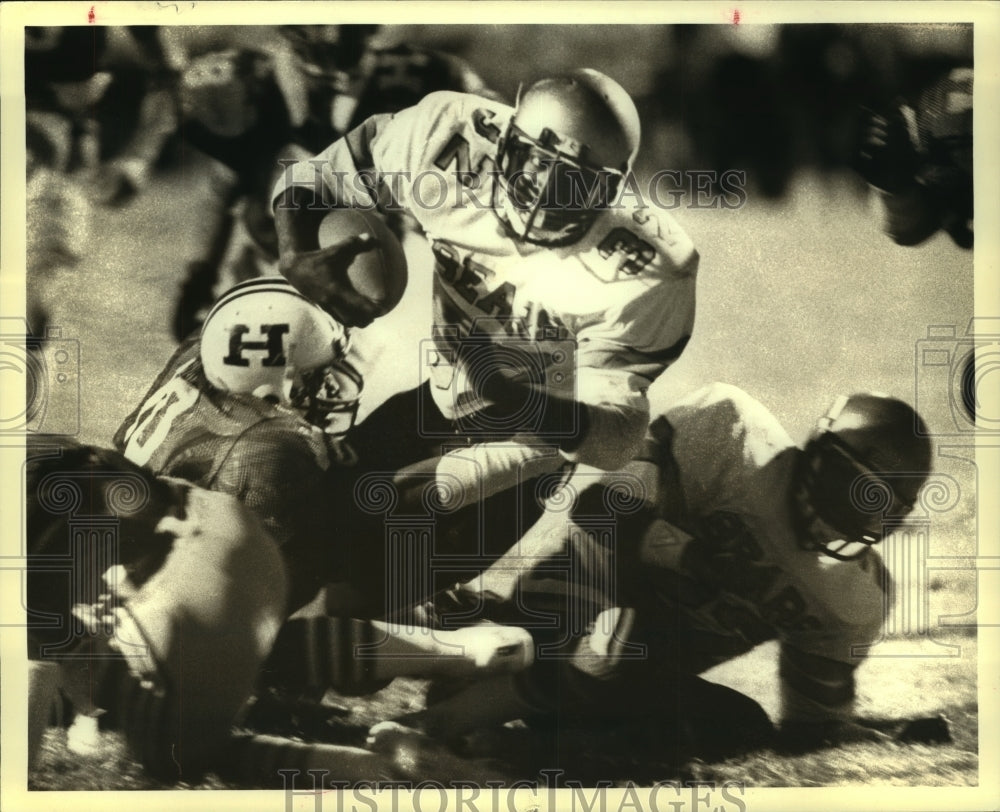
point(605, 646)
point(406, 546)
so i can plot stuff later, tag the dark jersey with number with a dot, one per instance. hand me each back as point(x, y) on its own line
point(269, 457)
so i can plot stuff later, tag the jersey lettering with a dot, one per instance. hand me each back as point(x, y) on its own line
point(637, 252)
point(727, 555)
point(274, 345)
point(457, 150)
point(469, 279)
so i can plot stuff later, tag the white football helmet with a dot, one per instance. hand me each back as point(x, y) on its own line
point(264, 338)
point(859, 475)
point(570, 143)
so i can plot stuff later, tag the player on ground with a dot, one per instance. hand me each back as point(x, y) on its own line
point(727, 535)
point(261, 408)
point(152, 603)
point(157, 599)
point(556, 300)
point(918, 158)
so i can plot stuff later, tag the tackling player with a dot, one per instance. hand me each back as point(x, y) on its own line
point(152, 603)
point(260, 407)
point(157, 599)
point(726, 535)
point(555, 302)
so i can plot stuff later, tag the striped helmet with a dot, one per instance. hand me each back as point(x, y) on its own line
point(264, 338)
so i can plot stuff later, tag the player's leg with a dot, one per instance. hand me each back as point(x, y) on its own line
point(355, 656)
point(43, 689)
point(273, 761)
point(572, 563)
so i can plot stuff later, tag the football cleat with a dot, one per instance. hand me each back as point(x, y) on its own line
point(489, 648)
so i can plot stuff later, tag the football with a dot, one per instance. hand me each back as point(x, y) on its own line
point(379, 274)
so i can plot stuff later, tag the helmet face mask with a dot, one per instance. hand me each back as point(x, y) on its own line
point(858, 476)
point(548, 196)
point(264, 339)
point(564, 155)
point(329, 397)
point(831, 497)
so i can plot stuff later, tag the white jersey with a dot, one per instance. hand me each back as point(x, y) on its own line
point(727, 468)
point(601, 318)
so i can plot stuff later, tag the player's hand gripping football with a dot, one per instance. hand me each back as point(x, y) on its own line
point(321, 276)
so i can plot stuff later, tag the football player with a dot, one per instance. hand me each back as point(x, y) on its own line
point(260, 407)
point(918, 158)
point(723, 534)
point(555, 302)
point(157, 600)
point(247, 108)
point(152, 604)
point(346, 73)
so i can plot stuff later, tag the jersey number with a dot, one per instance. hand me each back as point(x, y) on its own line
point(637, 252)
point(457, 148)
point(153, 423)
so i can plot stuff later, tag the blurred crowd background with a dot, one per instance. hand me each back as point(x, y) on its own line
point(766, 98)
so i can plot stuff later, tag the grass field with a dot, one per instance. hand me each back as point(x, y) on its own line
point(906, 679)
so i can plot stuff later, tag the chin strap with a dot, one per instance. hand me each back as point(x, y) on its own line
point(833, 413)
